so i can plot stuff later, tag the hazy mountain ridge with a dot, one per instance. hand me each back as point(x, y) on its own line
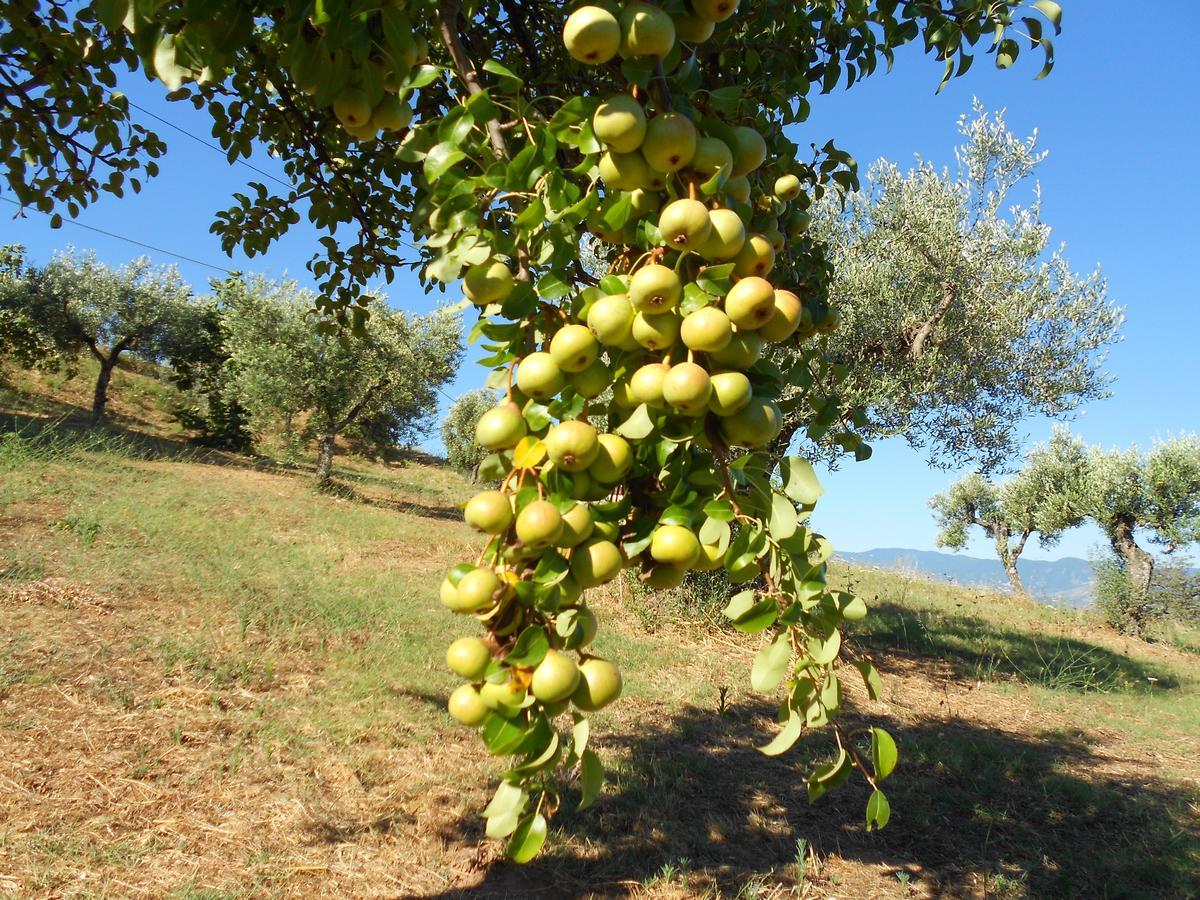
point(1060, 582)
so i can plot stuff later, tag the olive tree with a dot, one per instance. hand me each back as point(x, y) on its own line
point(1047, 496)
point(493, 135)
point(51, 314)
point(458, 429)
point(286, 372)
point(1155, 493)
point(958, 317)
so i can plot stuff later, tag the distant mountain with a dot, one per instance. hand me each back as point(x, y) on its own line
point(1060, 582)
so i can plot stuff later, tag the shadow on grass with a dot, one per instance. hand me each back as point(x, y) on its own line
point(987, 651)
point(1017, 815)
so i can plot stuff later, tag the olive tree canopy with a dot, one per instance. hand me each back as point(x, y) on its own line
point(959, 318)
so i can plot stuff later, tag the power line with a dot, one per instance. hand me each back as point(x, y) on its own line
point(239, 161)
point(128, 240)
point(208, 144)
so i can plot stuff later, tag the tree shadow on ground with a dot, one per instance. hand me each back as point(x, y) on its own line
point(970, 808)
point(987, 651)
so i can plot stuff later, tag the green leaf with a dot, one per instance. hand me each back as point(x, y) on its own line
point(715, 531)
point(783, 517)
point(502, 736)
point(721, 510)
point(823, 651)
point(870, 677)
point(883, 753)
point(530, 648)
point(1051, 11)
point(441, 159)
point(504, 811)
point(784, 740)
point(800, 481)
point(499, 69)
point(771, 664)
point(579, 735)
point(738, 605)
point(591, 778)
point(879, 811)
point(528, 839)
point(638, 425)
point(758, 617)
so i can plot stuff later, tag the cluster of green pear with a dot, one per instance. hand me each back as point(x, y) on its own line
point(366, 58)
point(691, 317)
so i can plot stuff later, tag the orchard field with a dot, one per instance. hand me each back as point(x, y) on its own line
point(216, 683)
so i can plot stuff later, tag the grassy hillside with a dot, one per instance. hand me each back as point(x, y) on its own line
point(216, 683)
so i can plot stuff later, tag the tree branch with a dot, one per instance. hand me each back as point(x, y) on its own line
point(448, 12)
point(949, 295)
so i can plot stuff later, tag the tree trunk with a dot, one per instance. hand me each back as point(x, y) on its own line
point(325, 445)
point(1139, 565)
point(1008, 558)
point(100, 395)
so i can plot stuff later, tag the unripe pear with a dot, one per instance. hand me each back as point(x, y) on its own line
point(620, 123)
point(468, 657)
point(613, 461)
point(643, 202)
point(489, 282)
point(505, 695)
point(624, 171)
point(611, 319)
point(607, 530)
point(622, 395)
point(692, 29)
point(574, 348)
point(656, 332)
point(670, 142)
point(595, 562)
point(489, 512)
point(592, 35)
point(750, 303)
point(599, 685)
point(364, 134)
point(674, 545)
point(555, 677)
point(757, 257)
point(655, 289)
point(501, 427)
point(663, 577)
point(755, 425)
point(592, 381)
point(727, 236)
point(749, 150)
point(742, 351)
point(787, 187)
point(646, 383)
point(687, 388)
point(391, 114)
point(539, 524)
point(467, 706)
point(712, 157)
point(707, 330)
point(715, 10)
point(776, 239)
point(572, 445)
point(646, 30)
point(477, 590)
point(731, 393)
point(577, 526)
point(798, 222)
point(351, 107)
point(737, 188)
point(684, 224)
point(539, 376)
point(786, 319)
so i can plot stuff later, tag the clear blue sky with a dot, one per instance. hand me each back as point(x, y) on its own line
point(1119, 115)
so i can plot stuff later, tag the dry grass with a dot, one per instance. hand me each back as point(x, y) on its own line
point(215, 683)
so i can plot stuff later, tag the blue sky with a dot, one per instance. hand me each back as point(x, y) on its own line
point(1120, 116)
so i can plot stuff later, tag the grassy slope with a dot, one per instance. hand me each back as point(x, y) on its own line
point(214, 682)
